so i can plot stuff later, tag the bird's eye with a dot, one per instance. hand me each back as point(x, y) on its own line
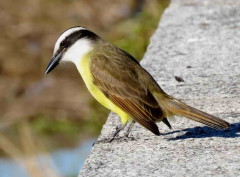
point(62, 44)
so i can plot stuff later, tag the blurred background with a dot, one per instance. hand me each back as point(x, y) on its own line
point(48, 123)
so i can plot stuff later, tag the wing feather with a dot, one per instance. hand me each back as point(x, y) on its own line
point(117, 75)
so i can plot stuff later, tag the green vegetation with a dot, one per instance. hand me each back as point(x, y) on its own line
point(134, 33)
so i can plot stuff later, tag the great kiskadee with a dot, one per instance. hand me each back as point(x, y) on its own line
point(119, 82)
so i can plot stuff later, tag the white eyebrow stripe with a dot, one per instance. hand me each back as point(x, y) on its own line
point(63, 36)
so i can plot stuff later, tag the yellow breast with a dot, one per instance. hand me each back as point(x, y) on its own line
point(84, 69)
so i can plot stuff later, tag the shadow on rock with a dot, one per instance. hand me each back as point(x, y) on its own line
point(206, 132)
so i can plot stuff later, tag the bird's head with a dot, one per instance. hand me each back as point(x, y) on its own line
point(72, 45)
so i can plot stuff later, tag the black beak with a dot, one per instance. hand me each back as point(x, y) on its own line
point(54, 62)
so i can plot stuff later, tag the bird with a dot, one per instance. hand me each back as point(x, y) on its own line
point(118, 82)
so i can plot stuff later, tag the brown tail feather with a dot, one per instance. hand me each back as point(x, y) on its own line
point(176, 107)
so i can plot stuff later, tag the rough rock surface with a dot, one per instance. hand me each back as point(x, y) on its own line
point(197, 41)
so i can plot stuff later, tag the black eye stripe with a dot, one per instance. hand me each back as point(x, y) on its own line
point(82, 33)
point(72, 38)
point(62, 44)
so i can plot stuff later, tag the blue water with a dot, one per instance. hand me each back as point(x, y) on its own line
point(66, 162)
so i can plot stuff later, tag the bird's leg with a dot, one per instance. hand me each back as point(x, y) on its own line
point(118, 129)
point(129, 128)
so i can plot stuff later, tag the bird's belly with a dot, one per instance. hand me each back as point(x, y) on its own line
point(84, 70)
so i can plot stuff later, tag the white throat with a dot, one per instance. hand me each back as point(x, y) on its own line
point(77, 51)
